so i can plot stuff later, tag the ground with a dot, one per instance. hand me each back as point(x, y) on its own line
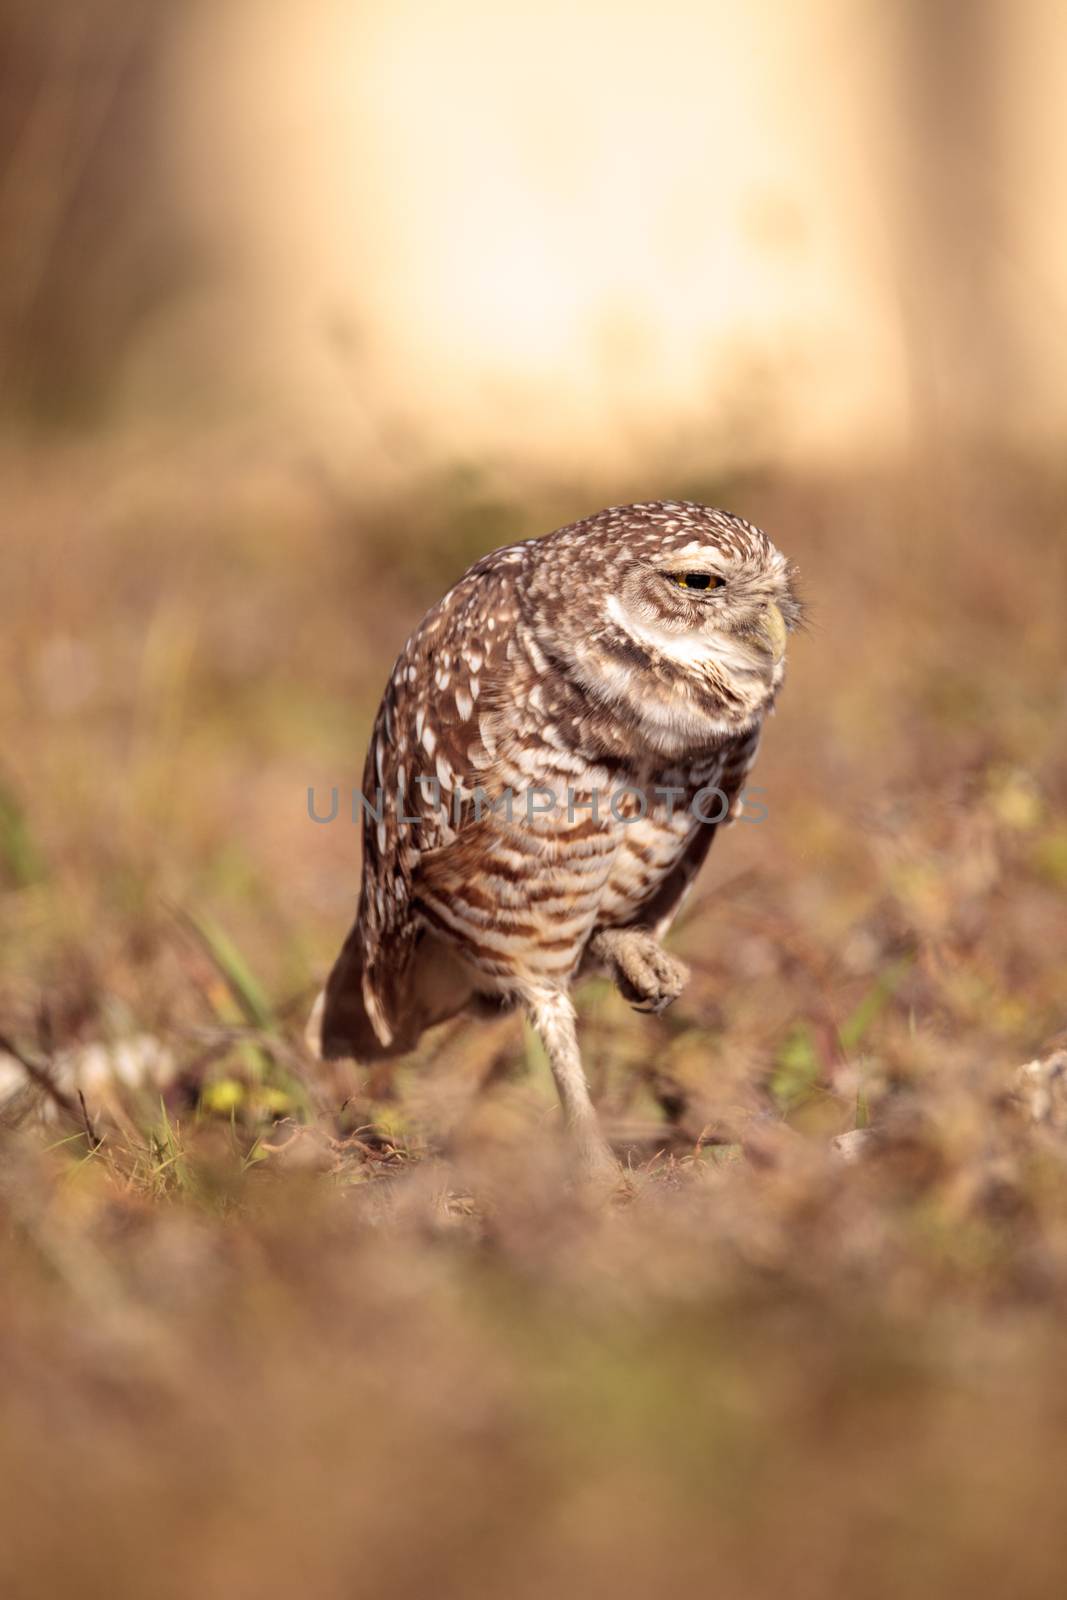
point(266, 1326)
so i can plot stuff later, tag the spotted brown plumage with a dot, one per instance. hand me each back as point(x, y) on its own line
point(611, 678)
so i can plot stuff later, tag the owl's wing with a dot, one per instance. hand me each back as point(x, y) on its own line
point(661, 908)
point(455, 682)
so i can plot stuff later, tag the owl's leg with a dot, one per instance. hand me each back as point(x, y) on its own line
point(643, 972)
point(552, 1017)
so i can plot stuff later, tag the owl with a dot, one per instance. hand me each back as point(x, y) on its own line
point(560, 739)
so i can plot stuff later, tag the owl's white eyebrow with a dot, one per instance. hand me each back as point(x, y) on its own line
point(696, 552)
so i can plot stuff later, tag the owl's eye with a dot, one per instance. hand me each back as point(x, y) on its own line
point(697, 580)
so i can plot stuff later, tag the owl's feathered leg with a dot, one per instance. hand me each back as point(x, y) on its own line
point(552, 1017)
point(643, 972)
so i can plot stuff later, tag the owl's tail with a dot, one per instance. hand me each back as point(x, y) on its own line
point(374, 1015)
point(341, 1024)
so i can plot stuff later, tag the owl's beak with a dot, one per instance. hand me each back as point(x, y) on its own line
point(773, 631)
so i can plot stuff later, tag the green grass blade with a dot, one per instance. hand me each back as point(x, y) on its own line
point(18, 852)
point(233, 968)
point(853, 1030)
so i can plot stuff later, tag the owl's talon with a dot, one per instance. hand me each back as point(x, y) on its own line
point(598, 1171)
point(643, 972)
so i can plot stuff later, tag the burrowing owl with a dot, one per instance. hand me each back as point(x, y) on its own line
point(559, 739)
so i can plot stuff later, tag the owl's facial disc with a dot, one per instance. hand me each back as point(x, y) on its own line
point(693, 609)
point(698, 612)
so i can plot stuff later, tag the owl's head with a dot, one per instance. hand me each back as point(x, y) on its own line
point(676, 616)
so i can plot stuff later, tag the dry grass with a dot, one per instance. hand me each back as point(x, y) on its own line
point(262, 1332)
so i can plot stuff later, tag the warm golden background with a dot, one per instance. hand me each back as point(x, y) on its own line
point(303, 305)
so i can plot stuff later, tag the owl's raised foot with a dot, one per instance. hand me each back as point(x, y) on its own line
point(643, 972)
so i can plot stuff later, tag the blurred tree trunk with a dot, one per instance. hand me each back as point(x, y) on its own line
point(956, 235)
point(84, 252)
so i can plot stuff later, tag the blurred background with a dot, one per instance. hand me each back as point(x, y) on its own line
point(303, 306)
point(565, 233)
